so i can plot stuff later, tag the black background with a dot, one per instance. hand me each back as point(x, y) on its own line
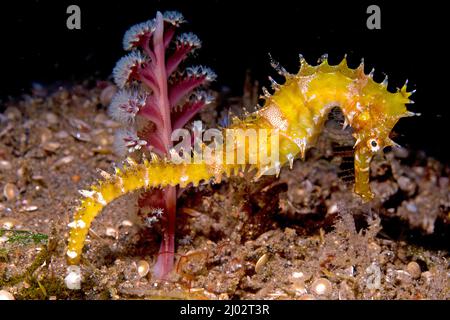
point(37, 47)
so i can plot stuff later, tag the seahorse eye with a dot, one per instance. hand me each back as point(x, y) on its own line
point(373, 145)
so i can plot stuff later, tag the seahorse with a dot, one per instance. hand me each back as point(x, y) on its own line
point(296, 110)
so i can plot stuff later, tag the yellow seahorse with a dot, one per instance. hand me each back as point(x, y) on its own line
point(296, 111)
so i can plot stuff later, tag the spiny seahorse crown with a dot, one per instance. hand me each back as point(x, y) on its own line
point(305, 97)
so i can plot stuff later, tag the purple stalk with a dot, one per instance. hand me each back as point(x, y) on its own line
point(158, 100)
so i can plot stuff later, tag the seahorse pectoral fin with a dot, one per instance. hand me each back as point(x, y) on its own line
point(362, 174)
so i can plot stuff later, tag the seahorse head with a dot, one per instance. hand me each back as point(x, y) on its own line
point(375, 114)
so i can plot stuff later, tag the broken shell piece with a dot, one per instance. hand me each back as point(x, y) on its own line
point(143, 267)
point(126, 223)
point(9, 223)
point(307, 297)
point(413, 269)
point(81, 136)
point(63, 161)
point(5, 165)
point(10, 191)
point(5, 295)
point(261, 262)
point(51, 118)
point(30, 208)
point(107, 94)
point(321, 286)
point(73, 278)
point(51, 146)
point(111, 232)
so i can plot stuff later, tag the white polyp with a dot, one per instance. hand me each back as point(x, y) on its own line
point(189, 39)
point(173, 17)
point(73, 278)
point(158, 212)
point(126, 140)
point(126, 104)
point(124, 67)
point(132, 36)
point(201, 71)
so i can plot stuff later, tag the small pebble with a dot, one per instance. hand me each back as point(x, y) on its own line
point(111, 232)
point(413, 269)
point(51, 146)
point(9, 223)
point(63, 161)
point(107, 94)
point(406, 184)
point(345, 292)
point(10, 191)
point(373, 280)
point(79, 124)
point(5, 295)
point(427, 276)
point(46, 135)
point(307, 297)
point(75, 178)
point(333, 209)
point(299, 288)
point(61, 134)
point(13, 113)
point(126, 223)
point(102, 138)
point(5, 165)
point(30, 208)
point(143, 267)
point(81, 136)
point(402, 276)
point(111, 124)
point(51, 118)
point(100, 118)
point(321, 286)
point(191, 212)
point(298, 275)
